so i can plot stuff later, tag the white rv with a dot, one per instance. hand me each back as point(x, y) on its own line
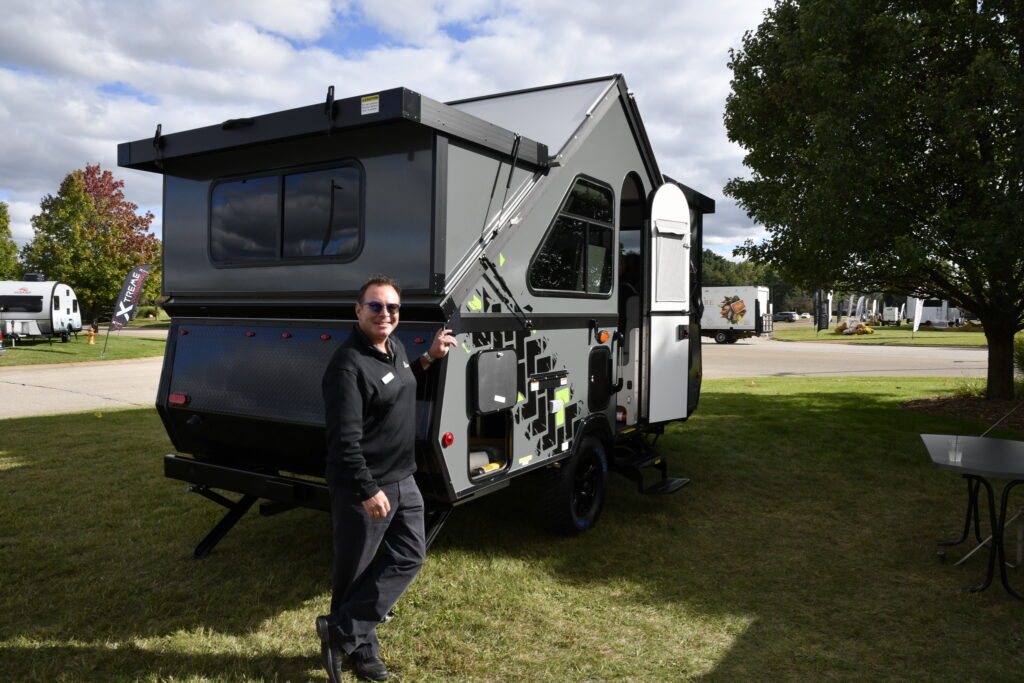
point(938, 313)
point(732, 313)
point(38, 308)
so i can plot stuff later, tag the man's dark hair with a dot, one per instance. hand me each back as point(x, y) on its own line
point(380, 281)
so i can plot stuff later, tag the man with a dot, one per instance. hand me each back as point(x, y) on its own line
point(370, 395)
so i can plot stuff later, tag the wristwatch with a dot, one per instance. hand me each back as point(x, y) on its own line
point(426, 356)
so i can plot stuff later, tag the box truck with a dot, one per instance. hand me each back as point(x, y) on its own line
point(732, 313)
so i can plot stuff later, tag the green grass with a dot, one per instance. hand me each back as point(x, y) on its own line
point(40, 351)
point(902, 335)
point(803, 550)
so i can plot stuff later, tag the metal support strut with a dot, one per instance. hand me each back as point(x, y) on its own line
point(236, 510)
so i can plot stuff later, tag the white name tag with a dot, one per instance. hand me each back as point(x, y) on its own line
point(404, 364)
point(387, 378)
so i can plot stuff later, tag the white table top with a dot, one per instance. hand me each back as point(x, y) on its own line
point(982, 456)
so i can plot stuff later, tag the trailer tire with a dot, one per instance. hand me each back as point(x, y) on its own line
point(733, 340)
point(721, 337)
point(576, 488)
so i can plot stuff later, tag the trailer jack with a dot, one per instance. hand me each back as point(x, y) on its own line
point(236, 510)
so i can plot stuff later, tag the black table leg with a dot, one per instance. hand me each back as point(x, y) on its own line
point(997, 537)
point(970, 514)
point(992, 551)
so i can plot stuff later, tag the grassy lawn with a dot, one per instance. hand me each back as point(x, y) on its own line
point(40, 351)
point(902, 335)
point(803, 550)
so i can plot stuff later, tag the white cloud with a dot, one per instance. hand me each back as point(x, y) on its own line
point(76, 78)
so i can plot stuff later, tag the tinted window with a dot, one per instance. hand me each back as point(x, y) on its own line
point(559, 265)
point(308, 215)
point(321, 213)
point(590, 201)
point(56, 302)
point(21, 304)
point(576, 255)
point(244, 220)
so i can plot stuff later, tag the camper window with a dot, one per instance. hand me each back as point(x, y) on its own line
point(21, 304)
point(56, 302)
point(313, 214)
point(576, 255)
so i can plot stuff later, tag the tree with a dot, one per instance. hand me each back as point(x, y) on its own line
point(90, 236)
point(886, 149)
point(9, 268)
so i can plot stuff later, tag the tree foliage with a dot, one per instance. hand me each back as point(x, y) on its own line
point(9, 268)
point(89, 236)
point(886, 151)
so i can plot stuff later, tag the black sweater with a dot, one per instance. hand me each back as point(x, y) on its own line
point(370, 399)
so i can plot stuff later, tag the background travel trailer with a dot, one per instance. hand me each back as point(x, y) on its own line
point(38, 308)
point(732, 313)
point(537, 224)
point(936, 312)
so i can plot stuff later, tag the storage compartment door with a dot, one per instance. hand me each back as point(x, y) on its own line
point(668, 306)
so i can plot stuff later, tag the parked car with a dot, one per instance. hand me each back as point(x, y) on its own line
point(805, 316)
point(785, 317)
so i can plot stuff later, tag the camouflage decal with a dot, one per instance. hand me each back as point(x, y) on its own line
point(547, 431)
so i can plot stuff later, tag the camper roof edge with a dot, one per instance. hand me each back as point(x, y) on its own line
point(319, 119)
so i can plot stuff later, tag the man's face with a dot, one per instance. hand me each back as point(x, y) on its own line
point(377, 326)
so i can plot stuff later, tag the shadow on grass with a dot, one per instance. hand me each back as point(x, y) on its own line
point(811, 517)
point(133, 663)
point(807, 532)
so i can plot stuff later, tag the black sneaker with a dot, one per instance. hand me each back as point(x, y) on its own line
point(332, 654)
point(370, 668)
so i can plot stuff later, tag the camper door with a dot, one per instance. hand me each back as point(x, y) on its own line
point(668, 350)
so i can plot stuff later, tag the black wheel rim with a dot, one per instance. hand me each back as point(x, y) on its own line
point(586, 486)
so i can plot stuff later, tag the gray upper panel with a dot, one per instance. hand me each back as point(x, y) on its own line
point(548, 115)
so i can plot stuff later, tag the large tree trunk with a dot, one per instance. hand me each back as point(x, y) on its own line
point(1000, 360)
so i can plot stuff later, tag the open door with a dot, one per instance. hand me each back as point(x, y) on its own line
point(668, 306)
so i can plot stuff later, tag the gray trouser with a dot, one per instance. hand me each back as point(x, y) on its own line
point(367, 584)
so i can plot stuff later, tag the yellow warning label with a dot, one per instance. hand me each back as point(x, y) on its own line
point(369, 105)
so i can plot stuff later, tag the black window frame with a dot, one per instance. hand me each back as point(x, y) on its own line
point(279, 259)
point(588, 222)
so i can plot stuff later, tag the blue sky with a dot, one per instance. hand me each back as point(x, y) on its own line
point(77, 78)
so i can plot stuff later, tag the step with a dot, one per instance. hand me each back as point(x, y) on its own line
point(666, 486)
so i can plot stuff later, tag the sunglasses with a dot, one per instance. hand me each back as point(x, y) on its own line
point(377, 307)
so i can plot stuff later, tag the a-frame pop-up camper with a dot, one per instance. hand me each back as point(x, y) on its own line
point(535, 223)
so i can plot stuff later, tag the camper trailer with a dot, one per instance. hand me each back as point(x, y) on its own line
point(536, 224)
point(734, 313)
point(937, 312)
point(33, 308)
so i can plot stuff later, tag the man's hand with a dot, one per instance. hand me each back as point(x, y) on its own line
point(443, 341)
point(377, 507)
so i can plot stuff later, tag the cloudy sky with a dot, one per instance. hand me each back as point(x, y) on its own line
point(79, 76)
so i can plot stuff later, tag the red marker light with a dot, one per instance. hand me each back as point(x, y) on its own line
point(178, 399)
point(286, 335)
point(448, 439)
point(250, 334)
point(603, 337)
point(182, 332)
point(418, 340)
point(325, 337)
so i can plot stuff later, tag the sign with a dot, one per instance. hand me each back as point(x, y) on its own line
point(128, 300)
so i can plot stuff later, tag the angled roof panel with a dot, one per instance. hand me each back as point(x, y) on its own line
point(549, 115)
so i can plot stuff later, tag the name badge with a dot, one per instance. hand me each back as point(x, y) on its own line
point(387, 378)
point(404, 364)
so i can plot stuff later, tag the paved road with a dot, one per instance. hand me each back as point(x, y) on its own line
point(763, 357)
point(72, 387)
point(46, 389)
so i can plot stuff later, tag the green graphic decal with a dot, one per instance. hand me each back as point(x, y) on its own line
point(475, 304)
